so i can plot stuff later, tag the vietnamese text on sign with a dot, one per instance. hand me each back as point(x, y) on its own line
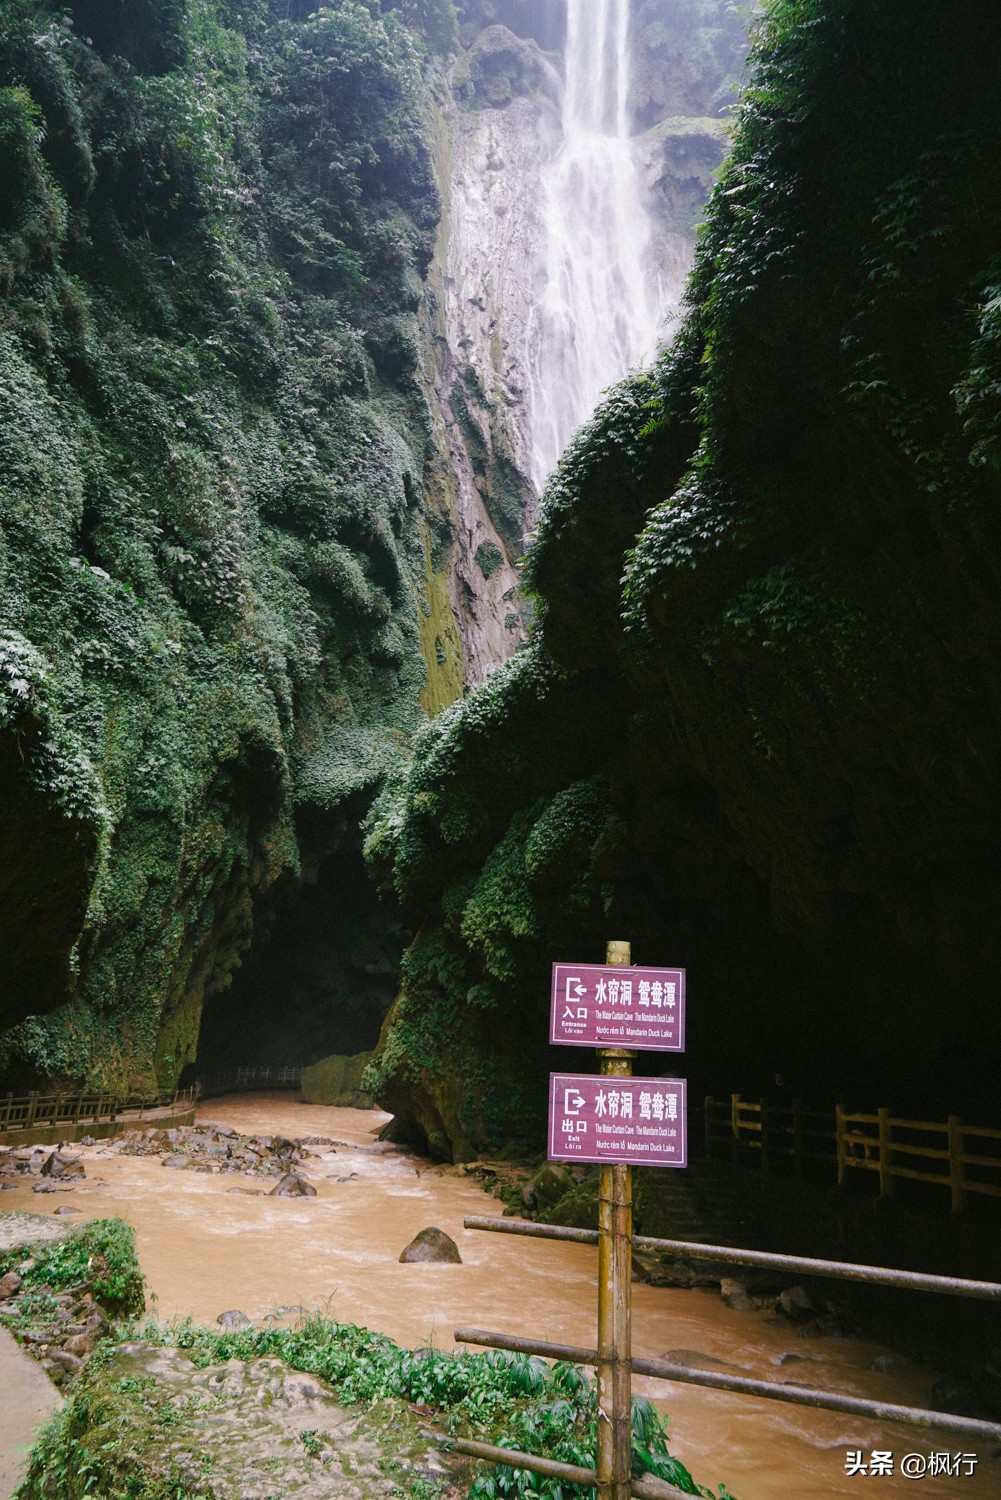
point(642, 1121)
point(597, 1006)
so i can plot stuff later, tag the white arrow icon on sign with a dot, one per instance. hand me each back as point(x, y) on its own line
point(572, 1101)
point(578, 988)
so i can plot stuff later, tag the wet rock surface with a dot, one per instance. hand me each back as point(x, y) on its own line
point(19, 1229)
point(432, 1245)
point(220, 1149)
point(9, 1284)
point(257, 1430)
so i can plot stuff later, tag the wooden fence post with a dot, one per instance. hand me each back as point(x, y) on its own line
point(840, 1145)
point(735, 1127)
point(764, 1121)
point(956, 1181)
point(885, 1179)
point(708, 1115)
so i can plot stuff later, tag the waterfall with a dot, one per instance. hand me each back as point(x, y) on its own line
point(566, 246)
point(600, 305)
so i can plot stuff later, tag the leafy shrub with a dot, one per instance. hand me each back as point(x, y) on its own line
point(119, 1285)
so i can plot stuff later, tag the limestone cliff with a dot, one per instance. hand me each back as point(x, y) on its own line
point(266, 279)
point(756, 730)
point(218, 534)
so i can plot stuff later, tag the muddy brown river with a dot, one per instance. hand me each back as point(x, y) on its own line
point(206, 1249)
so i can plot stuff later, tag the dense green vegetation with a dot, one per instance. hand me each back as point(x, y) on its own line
point(110, 1435)
point(688, 57)
point(101, 1254)
point(756, 731)
point(215, 548)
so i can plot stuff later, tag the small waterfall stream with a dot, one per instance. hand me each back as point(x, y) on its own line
point(602, 303)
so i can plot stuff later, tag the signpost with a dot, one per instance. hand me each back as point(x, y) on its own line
point(616, 1120)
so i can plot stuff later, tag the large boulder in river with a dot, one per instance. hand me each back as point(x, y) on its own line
point(337, 1080)
point(234, 1318)
point(432, 1245)
point(796, 1303)
point(58, 1165)
point(293, 1186)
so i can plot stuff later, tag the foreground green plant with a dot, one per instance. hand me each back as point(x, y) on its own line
point(90, 1447)
point(101, 1253)
point(515, 1400)
point(117, 1436)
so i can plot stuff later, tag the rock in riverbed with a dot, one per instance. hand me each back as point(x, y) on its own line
point(62, 1166)
point(233, 1318)
point(432, 1245)
point(293, 1186)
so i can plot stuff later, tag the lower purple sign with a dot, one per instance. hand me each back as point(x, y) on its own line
point(642, 1121)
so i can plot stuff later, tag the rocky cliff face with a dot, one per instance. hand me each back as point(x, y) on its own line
point(756, 730)
point(264, 477)
point(499, 127)
point(219, 531)
point(503, 126)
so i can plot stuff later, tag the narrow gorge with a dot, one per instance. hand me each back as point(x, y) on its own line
point(480, 479)
point(286, 370)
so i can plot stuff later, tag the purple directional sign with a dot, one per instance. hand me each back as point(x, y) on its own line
point(598, 1006)
point(640, 1121)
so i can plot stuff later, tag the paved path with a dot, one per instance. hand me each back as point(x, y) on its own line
point(28, 1398)
point(28, 1394)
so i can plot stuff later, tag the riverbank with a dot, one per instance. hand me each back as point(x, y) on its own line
point(211, 1241)
point(29, 1397)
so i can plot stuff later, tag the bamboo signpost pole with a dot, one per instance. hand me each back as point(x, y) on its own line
point(616, 1121)
point(615, 1228)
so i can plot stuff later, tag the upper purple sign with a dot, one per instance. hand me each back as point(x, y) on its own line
point(642, 1121)
point(598, 1006)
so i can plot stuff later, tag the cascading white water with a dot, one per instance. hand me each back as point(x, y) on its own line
point(600, 308)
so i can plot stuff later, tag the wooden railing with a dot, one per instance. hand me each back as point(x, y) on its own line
point(246, 1079)
point(941, 1153)
point(35, 1111)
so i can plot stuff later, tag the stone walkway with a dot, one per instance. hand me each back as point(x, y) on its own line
point(28, 1394)
point(28, 1398)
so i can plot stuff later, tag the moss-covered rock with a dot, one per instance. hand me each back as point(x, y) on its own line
point(687, 58)
point(499, 67)
point(213, 548)
point(337, 1080)
point(767, 575)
